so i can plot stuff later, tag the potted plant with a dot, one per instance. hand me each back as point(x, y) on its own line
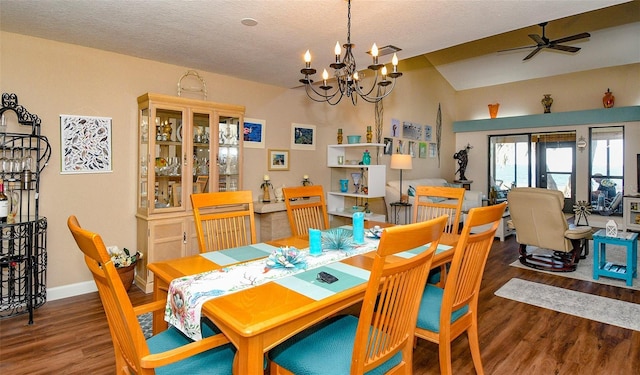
point(125, 264)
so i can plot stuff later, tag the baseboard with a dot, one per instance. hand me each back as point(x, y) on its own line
point(71, 290)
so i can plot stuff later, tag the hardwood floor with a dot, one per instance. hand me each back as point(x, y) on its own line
point(71, 336)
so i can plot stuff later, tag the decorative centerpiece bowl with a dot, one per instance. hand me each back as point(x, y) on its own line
point(286, 257)
point(337, 239)
point(353, 139)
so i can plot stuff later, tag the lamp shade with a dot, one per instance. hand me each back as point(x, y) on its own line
point(400, 161)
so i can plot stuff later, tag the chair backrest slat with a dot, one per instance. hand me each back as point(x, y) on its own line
point(427, 205)
point(390, 306)
point(126, 333)
point(224, 220)
point(468, 263)
point(306, 208)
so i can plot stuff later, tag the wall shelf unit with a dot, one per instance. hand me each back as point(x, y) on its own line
point(374, 178)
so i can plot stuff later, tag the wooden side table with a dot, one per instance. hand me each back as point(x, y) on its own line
point(601, 267)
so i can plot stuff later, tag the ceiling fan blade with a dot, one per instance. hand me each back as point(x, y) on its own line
point(533, 53)
point(536, 38)
point(516, 48)
point(565, 48)
point(571, 38)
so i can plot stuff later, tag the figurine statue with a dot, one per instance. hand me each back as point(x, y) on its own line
point(463, 158)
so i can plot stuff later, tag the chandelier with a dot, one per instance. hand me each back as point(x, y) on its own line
point(346, 75)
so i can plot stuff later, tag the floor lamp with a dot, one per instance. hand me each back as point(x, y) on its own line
point(401, 162)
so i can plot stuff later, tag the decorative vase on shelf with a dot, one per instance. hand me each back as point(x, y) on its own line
point(608, 99)
point(547, 101)
point(369, 134)
point(493, 110)
point(366, 158)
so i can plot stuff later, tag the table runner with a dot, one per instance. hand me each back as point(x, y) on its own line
point(187, 294)
point(239, 254)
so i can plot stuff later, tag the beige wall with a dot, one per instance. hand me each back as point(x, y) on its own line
point(571, 92)
point(52, 78)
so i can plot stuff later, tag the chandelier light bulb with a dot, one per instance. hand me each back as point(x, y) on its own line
point(355, 76)
point(325, 75)
point(394, 60)
point(374, 50)
point(307, 57)
point(338, 49)
point(384, 72)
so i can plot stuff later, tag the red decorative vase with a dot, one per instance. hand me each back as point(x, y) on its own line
point(608, 99)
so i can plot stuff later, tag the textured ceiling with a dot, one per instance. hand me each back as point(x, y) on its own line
point(208, 35)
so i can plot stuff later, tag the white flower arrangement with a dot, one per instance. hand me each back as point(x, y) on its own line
point(122, 258)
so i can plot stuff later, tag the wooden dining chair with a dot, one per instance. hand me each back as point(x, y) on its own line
point(224, 220)
point(446, 313)
point(380, 341)
point(306, 208)
point(434, 201)
point(167, 352)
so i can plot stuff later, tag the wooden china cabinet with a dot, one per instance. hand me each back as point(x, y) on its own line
point(184, 146)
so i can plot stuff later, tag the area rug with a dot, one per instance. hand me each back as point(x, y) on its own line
point(584, 305)
point(615, 254)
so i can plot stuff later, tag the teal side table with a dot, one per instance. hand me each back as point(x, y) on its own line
point(601, 267)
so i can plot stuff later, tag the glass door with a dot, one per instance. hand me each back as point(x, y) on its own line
point(555, 164)
point(229, 160)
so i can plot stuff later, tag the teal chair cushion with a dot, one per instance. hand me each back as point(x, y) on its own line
point(429, 314)
point(325, 348)
point(215, 361)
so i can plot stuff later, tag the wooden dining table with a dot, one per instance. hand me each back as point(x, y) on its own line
point(259, 318)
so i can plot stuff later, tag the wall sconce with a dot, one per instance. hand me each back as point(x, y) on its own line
point(581, 144)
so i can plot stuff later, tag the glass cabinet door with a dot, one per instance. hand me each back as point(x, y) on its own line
point(228, 158)
point(201, 135)
point(167, 159)
point(143, 159)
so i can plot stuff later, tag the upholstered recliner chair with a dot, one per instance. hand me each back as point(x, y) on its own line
point(537, 217)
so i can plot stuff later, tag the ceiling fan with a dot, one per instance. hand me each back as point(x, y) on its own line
point(544, 42)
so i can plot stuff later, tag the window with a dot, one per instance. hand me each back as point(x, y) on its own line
point(606, 170)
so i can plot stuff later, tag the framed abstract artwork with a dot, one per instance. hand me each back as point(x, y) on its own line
point(85, 143)
point(254, 133)
point(303, 137)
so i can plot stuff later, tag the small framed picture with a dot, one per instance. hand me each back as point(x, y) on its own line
point(303, 137)
point(432, 150)
point(278, 160)
point(428, 133)
point(388, 146)
point(422, 153)
point(254, 133)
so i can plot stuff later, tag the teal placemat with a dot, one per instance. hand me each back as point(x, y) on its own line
point(306, 283)
point(411, 253)
point(239, 254)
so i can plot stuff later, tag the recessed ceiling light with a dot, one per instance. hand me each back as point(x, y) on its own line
point(249, 22)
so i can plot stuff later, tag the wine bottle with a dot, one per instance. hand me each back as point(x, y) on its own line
point(4, 204)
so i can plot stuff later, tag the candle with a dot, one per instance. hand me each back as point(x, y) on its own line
point(305, 177)
point(358, 227)
point(315, 242)
point(266, 177)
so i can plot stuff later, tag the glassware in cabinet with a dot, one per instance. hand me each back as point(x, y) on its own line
point(229, 156)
